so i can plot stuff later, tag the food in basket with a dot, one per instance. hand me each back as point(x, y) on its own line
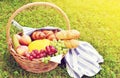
point(35, 54)
point(51, 50)
point(43, 34)
point(48, 32)
point(71, 43)
point(51, 37)
point(36, 35)
point(15, 39)
point(38, 44)
point(25, 40)
point(45, 49)
point(22, 49)
point(60, 46)
point(68, 34)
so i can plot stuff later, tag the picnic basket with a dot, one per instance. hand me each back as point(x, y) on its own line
point(36, 65)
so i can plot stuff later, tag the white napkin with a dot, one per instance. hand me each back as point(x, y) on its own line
point(83, 60)
point(57, 58)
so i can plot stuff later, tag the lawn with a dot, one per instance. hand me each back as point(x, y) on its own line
point(97, 21)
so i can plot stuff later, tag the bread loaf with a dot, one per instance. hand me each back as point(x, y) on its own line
point(68, 34)
point(71, 43)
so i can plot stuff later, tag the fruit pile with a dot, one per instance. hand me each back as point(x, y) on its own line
point(40, 44)
point(49, 51)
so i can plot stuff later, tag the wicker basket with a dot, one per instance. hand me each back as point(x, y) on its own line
point(36, 65)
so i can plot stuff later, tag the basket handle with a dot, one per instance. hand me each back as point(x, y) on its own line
point(29, 5)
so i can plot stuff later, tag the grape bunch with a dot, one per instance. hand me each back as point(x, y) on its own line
point(60, 46)
point(49, 51)
point(55, 48)
point(36, 54)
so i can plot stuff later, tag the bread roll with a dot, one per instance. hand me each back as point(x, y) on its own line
point(68, 34)
point(71, 43)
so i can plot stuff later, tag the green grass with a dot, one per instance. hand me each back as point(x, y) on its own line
point(97, 21)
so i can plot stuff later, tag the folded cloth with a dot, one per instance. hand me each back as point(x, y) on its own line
point(83, 60)
point(57, 59)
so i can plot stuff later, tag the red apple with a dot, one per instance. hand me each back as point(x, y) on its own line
point(25, 40)
point(22, 49)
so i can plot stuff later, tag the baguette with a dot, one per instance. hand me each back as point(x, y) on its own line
point(68, 34)
point(71, 43)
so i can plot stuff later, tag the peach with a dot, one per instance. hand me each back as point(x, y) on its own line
point(22, 49)
point(25, 40)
